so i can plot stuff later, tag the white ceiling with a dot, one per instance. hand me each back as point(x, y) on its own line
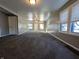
point(21, 6)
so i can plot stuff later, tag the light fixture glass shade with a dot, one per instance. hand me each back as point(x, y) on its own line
point(33, 2)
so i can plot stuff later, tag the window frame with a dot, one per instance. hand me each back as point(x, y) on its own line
point(64, 13)
point(62, 27)
point(30, 26)
point(73, 18)
point(73, 26)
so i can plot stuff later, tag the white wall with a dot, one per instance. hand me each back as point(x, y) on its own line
point(4, 24)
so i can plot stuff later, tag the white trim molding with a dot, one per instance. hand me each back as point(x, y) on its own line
point(65, 42)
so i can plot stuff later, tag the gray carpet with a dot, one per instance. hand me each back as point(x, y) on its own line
point(34, 46)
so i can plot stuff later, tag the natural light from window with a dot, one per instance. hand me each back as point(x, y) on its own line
point(63, 27)
point(41, 17)
point(30, 16)
point(42, 26)
point(76, 26)
point(30, 26)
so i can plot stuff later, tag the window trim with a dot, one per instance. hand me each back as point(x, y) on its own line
point(72, 26)
point(61, 27)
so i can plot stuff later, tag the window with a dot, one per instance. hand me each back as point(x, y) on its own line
point(75, 27)
point(41, 17)
point(30, 27)
point(63, 27)
point(30, 16)
point(63, 20)
point(41, 26)
point(63, 16)
point(75, 19)
point(75, 12)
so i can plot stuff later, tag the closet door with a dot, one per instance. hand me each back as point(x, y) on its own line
point(13, 24)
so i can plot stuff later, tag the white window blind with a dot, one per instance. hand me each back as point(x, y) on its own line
point(75, 13)
point(64, 16)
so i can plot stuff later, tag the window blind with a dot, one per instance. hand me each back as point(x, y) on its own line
point(64, 16)
point(75, 13)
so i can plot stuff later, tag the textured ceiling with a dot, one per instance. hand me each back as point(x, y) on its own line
point(21, 6)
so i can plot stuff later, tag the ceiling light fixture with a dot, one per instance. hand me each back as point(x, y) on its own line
point(32, 2)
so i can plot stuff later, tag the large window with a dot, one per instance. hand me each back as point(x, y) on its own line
point(63, 20)
point(30, 16)
point(63, 27)
point(75, 19)
point(41, 17)
point(75, 26)
point(41, 26)
point(30, 26)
